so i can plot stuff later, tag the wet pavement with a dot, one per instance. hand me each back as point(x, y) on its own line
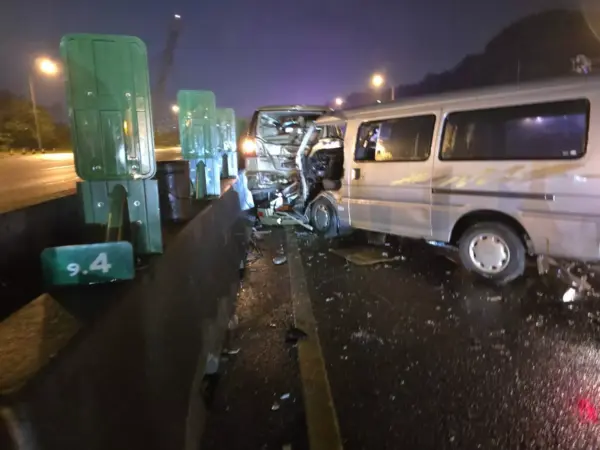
point(419, 355)
point(255, 402)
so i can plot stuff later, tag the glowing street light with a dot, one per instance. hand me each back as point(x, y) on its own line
point(378, 81)
point(49, 68)
point(175, 109)
point(339, 101)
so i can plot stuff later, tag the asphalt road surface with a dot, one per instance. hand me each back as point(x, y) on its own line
point(30, 179)
point(418, 354)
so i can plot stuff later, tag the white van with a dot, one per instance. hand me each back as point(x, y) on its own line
point(499, 172)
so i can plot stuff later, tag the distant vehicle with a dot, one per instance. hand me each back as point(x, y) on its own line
point(501, 173)
point(271, 144)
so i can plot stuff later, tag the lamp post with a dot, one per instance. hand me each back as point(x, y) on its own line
point(175, 109)
point(339, 101)
point(47, 67)
point(378, 80)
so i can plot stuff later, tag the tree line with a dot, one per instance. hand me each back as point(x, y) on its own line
point(17, 125)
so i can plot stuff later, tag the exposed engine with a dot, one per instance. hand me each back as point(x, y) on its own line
point(322, 167)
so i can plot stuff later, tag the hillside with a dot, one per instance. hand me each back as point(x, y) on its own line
point(536, 47)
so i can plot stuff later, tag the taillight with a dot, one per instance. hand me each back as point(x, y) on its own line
point(249, 147)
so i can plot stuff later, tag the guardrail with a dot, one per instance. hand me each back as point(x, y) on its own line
point(120, 366)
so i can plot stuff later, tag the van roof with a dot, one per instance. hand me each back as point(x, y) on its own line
point(522, 89)
point(301, 108)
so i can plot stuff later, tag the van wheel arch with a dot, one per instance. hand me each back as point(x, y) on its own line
point(479, 216)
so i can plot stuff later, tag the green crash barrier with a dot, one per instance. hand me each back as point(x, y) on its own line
point(199, 138)
point(227, 141)
point(108, 96)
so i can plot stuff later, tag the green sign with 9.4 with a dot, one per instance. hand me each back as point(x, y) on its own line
point(88, 264)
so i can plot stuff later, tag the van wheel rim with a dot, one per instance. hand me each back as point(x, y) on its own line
point(489, 253)
point(322, 217)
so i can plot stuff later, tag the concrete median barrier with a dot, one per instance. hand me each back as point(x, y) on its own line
point(131, 374)
point(24, 233)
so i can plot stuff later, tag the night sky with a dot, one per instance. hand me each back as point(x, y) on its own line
point(277, 53)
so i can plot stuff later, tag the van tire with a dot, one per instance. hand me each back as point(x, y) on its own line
point(498, 240)
point(323, 218)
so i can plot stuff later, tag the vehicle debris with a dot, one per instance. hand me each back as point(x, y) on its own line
point(260, 234)
point(294, 335)
point(364, 255)
point(285, 396)
point(231, 352)
point(365, 337)
point(579, 286)
point(275, 406)
point(279, 260)
point(570, 296)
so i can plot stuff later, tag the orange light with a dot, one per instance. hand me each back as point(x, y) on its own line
point(249, 147)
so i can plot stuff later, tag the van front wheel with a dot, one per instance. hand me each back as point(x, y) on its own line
point(323, 218)
point(493, 251)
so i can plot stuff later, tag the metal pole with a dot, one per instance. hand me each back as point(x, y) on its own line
point(393, 93)
point(35, 116)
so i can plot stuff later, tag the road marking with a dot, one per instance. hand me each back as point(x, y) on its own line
point(321, 417)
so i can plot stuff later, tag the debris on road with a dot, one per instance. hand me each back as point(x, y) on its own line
point(233, 322)
point(231, 352)
point(578, 284)
point(285, 396)
point(495, 298)
point(365, 337)
point(364, 255)
point(279, 260)
point(275, 407)
point(260, 234)
point(570, 296)
point(294, 335)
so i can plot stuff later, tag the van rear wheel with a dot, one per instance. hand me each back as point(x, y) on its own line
point(494, 251)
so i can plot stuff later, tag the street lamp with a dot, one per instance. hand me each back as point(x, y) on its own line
point(339, 101)
point(175, 109)
point(46, 67)
point(378, 80)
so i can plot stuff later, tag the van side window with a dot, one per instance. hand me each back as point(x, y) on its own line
point(556, 130)
point(402, 139)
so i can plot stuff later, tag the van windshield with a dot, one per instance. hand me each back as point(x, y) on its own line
point(285, 127)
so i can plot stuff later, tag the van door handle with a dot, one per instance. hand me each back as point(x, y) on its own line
point(355, 174)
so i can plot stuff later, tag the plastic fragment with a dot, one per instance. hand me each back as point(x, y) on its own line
point(279, 260)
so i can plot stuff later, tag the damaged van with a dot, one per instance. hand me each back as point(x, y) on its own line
point(500, 174)
point(271, 144)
